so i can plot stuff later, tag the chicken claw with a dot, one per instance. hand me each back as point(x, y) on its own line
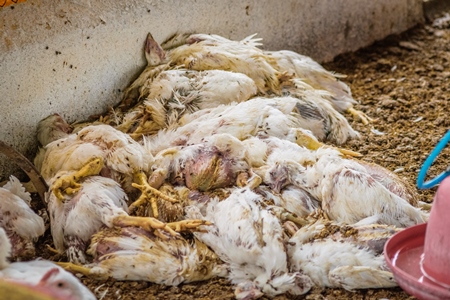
point(188, 225)
point(68, 183)
point(149, 194)
point(360, 115)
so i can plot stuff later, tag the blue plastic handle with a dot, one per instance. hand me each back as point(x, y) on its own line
point(429, 161)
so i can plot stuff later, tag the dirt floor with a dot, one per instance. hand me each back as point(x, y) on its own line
point(403, 82)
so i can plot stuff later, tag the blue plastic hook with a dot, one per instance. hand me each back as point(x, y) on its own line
point(429, 161)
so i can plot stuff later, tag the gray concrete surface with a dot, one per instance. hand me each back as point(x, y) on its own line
point(75, 56)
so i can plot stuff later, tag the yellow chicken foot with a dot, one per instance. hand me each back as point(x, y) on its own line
point(146, 223)
point(360, 115)
point(149, 194)
point(141, 201)
point(312, 143)
point(188, 225)
point(68, 183)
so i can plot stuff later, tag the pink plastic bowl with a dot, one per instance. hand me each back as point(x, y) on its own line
point(403, 253)
point(419, 256)
point(436, 261)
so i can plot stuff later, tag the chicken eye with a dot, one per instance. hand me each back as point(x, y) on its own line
point(60, 284)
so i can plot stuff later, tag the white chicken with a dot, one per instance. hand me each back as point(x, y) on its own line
point(250, 239)
point(267, 68)
point(99, 202)
point(277, 117)
point(308, 71)
point(122, 156)
point(342, 256)
point(40, 275)
point(94, 150)
point(131, 253)
point(349, 191)
point(194, 52)
point(213, 163)
point(272, 74)
point(218, 161)
point(173, 93)
point(288, 62)
point(22, 225)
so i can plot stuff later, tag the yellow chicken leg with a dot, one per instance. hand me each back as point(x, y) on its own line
point(360, 115)
point(83, 270)
point(68, 183)
point(310, 142)
point(146, 223)
point(188, 225)
point(74, 268)
point(149, 194)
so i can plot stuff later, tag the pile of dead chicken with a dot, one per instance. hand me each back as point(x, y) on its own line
point(232, 143)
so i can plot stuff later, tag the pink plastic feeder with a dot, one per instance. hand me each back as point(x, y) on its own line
point(419, 256)
point(404, 253)
point(436, 258)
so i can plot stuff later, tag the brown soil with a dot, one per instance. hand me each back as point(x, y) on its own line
point(403, 82)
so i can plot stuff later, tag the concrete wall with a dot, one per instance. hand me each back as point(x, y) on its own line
point(434, 8)
point(75, 56)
